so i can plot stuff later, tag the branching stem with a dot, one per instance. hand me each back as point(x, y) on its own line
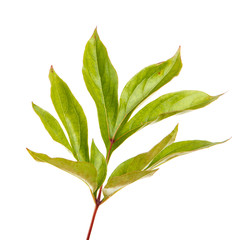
point(98, 199)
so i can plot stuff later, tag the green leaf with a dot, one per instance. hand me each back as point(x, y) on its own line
point(71, 114)
point(165, 106)
point(102, 82)
point(99, 162)
point(52, 126)
point(141, 161)
point(178, 149)
point(122, 168)
point(116, 183)
point(83, 170)
point(143, 84)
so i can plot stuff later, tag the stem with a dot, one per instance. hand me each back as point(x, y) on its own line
point(109, 150)
point(92, 221)
point(98, 199)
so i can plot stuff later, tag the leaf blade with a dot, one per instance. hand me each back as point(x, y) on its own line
point(116, 183)
point(102, 82)
point(180, 148)
point(141, 161)
point(71, 114)
point(99, 162)
point(163, 107)
point(52, 126)
point(83, 170)
point(143, 84)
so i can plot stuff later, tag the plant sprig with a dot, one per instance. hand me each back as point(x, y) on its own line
point(116, 121)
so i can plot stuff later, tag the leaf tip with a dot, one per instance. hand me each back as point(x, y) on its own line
point(30, 152)
point(92, 142)
point(95, 34)
point(227, 140)
point(222, 94)
point(153, 171)
point(33, 105)
point(51, 73)
point(217, 96)
point(178, 53)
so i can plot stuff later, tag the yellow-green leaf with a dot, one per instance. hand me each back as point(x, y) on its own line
point(141, 161)
point(116, 183)
point(102, 82)
point(99, 162)
point(143, 84)
point(71, 114)
point(52, 126)
point(83, 170)
point(178, 149)
point(165, 106)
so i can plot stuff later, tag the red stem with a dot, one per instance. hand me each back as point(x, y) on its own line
point(98, 199)
point(92, 221)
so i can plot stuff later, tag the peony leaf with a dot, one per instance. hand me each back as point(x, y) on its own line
point(83, 170)
point(180, 148)
point(71, 114)
point(99, 162)
point(141, 161)
point(116, 183)
point(165, 106)
point(143, 84)
point(102, 82)
point(52, 126)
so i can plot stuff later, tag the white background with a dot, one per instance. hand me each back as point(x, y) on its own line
point(197, 196)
